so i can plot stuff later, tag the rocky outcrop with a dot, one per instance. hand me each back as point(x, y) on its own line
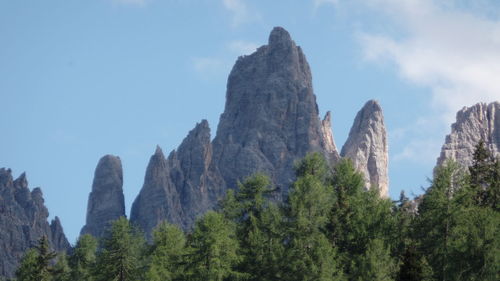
point(106, 200)
point(23, 220)
point(158, 199)
point(180, 188)
point(270, 121)
point(367, 146)
point(271, 117)
point(481, 121)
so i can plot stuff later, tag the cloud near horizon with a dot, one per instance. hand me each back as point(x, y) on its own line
point(449, 50)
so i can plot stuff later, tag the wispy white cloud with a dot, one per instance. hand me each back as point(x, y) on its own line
point(451, 51)
point(240, 47)
point(449, 47)
point(241, 13)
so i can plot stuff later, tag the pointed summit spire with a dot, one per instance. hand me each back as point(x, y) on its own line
point(279, 37)
point(367, 147)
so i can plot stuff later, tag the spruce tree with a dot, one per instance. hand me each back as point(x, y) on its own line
point(83, 259)
point(167, 253)
point(121, 255)
point(309, 255)
point(28, 269)
point(213, 250)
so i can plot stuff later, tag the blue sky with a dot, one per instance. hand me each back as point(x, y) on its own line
point(80, 79)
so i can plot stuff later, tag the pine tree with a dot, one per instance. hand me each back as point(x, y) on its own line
point(121, 255)
point(61, 270)
point(309, 255)
point(376, 264)
point(214, 250)
point(257, 227)
point(168, 250)
point(28, 270)
point(437, 219)
point(414, 266)
point(83, 259)
point(357, 217)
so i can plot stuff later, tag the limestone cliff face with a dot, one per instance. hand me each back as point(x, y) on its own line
point(23, 220)
point(271, 117)
point(180, 188)
point(367, 146)
point(106, 200)
point(270, 120)
point(481, 121)
point(158, 199)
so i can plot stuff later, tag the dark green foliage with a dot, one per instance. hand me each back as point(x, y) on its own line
point(359, 219)
point(167, 253)
point(83, 259)
point(61, 271)
point(485, 177)
point(258, 228)
point(121, 255)
point(329, 228)
point(28, 269)
point(36, 265)
point(309, 254)
point(214, 250)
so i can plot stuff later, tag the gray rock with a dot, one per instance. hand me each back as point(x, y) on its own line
point(23, 220)
point(270, 121)
point(481, 121)
point(367, 147)
point(271, 117)
point(106, 200)
point(158, 199)
point(180, 188)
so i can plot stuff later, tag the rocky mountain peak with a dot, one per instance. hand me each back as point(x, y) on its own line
point(23, 220)
point(367, 146)
point(279, 38)
point(480, 121)
point(21, 181)
point(106, 200)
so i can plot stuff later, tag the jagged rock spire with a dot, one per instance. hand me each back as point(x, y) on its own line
point(106, 200)
point(481, 121)
point(23, 220)
point(367, 146)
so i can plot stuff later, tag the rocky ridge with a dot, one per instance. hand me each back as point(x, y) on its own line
point(23, 220)
point(270, 120)
point(480, 121)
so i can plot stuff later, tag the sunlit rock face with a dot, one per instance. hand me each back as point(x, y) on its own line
point(367, 147)
point(481, 121)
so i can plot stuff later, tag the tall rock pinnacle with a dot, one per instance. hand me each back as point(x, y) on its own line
point(270, 117)
point(367, 146)
point(481, 121)
point(181, 187)
point(23, 220)
point(106, 200)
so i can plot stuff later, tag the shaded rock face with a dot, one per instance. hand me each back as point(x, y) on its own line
point(181, 187)
point(367, 147)
point(271, 117)
point(269, 122)
point(481, 121)
point(23, 220)
point(106, 200)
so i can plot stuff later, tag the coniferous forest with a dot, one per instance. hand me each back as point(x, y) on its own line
point(329, 228)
